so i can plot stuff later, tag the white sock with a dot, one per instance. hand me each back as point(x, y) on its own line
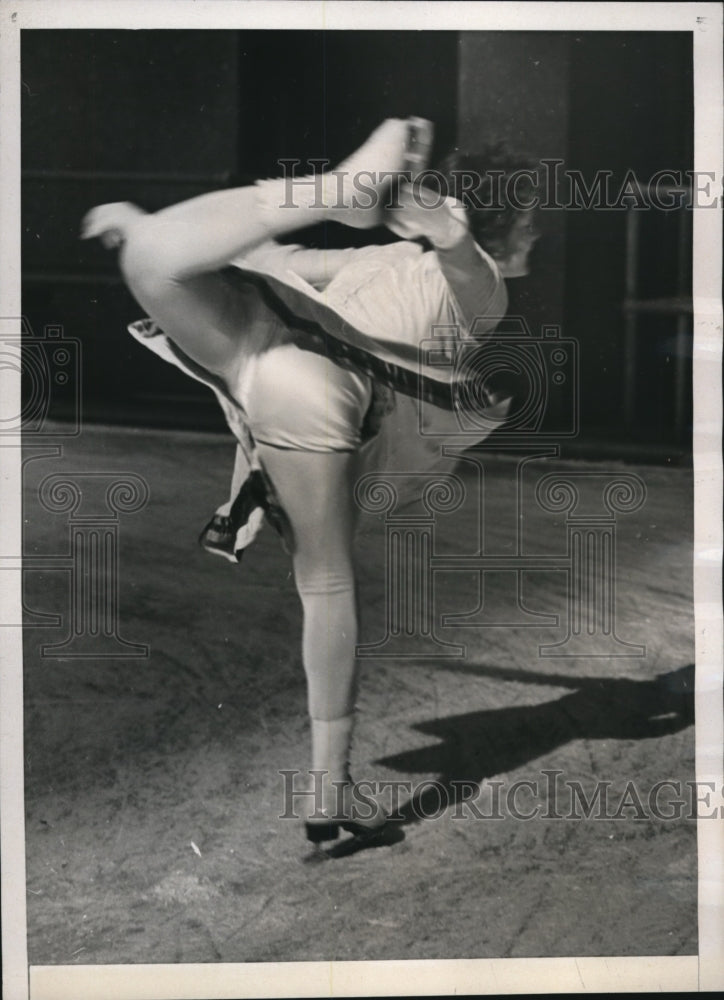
point(331, 746)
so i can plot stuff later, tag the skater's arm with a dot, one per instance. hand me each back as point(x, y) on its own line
point(471, 276)
point(475, 283)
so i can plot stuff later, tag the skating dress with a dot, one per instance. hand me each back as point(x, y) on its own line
point(370, 362)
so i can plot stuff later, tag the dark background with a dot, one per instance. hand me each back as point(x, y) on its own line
point(157, 116)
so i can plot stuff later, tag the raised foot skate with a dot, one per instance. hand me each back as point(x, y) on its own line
point(355, 190)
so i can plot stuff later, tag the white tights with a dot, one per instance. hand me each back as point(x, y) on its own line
point(315, 490)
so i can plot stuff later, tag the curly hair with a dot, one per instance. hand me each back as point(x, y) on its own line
point(494, 183)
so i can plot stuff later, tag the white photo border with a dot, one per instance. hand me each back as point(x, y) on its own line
point(479, 977)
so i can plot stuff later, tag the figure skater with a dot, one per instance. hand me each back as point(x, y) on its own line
point(314, 356)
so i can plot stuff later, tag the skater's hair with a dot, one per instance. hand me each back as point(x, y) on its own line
point(495, 183)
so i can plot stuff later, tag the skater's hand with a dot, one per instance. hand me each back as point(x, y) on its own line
point(423, 212)
point(110, 223)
